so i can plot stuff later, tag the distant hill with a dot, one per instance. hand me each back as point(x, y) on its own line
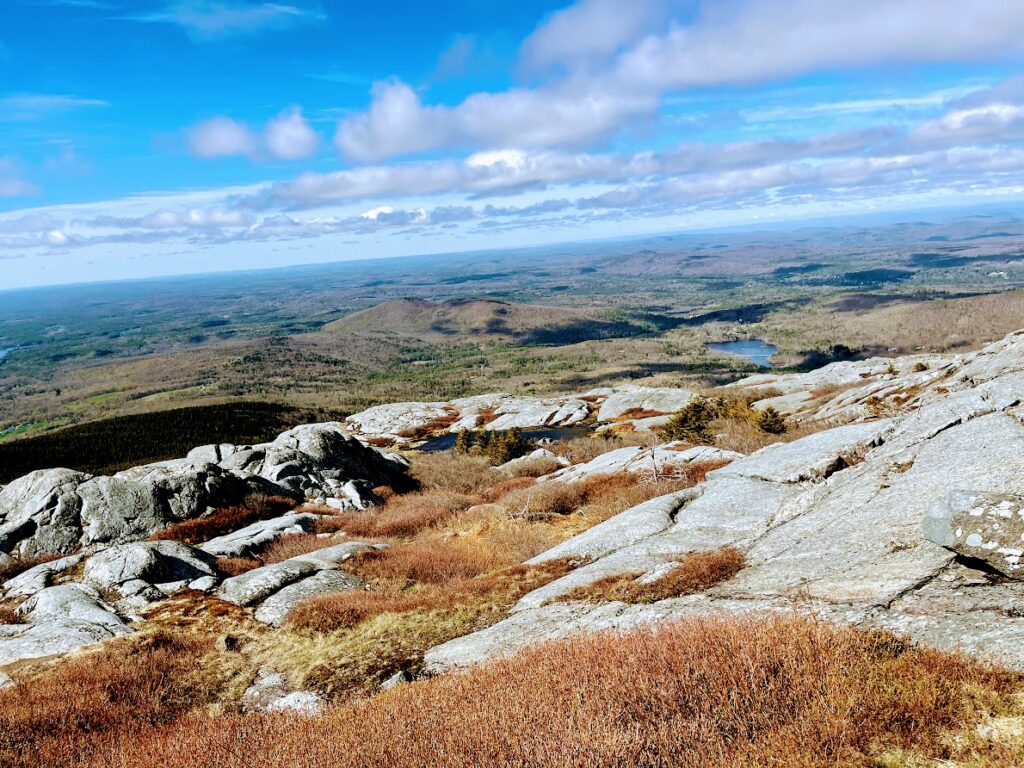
point(490, 319)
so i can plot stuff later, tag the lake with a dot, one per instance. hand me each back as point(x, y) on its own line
point(754, 350)
point(444, 442)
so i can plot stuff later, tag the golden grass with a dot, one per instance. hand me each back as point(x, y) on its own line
point(15, 566)
point(696, 572)
point(401, 516)
point(704, 693)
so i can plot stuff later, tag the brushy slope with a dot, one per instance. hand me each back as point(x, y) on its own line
point(702, 693)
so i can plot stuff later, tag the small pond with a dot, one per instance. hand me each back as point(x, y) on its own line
point(444, 442)
point(753, 350)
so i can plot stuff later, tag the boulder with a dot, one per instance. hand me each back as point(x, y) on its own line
point(40, 512)
point(984, 526)
point(275, 609)
point(258, 535)
point(39, 577)
point(658, 460)
point(255, 586)
point(147, 563)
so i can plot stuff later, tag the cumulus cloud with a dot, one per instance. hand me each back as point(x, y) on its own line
point(289, 137)
point(619, 70)
point(286, 137)
point(205, 20)
point(590, 31)
point(759, 40)
point(222, 137)
point(398, 123)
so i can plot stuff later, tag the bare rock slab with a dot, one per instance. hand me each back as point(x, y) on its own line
point(984, 526)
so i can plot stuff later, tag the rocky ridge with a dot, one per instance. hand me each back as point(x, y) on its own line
point(906, 517)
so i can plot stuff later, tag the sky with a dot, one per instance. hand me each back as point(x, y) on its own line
point(154, 137)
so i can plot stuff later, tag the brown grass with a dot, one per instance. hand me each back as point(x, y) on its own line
point(455, 472)
point(486, 416)
point(402, 516)
point(580, 450)
point(538, 467)
point(345, 610)
point(696, 572)
point(88, 704)
point(19, 564)
point(8, 614)
point(236, 566)
point(638, 413)
point(292, 545)
point(227, 520)
point(701, 693)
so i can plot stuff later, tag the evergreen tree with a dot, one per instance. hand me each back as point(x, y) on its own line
point(692, 423)
point(463, 441)
point(771, 421)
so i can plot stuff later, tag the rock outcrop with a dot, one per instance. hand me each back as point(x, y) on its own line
point(866, 523)
point(63, 511)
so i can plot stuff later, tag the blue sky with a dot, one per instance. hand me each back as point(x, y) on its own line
point(158, 137)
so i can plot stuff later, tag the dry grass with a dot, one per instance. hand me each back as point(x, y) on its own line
point(696, 572)
point(15, 566)
point(292, 545)
point(236, 566)
point(8, 614)
point(538, 467)
point(400, 517)
point(580, 450)
point(455, 472)
point(346, 610)
point(702, 693)
point(227, 520)
point(87, 705)
point(599, 497)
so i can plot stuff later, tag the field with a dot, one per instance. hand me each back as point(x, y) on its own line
point(338, 338)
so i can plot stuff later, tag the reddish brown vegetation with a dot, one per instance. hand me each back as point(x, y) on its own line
point(486, 416)
point(695, 573)
point(402, 516)
point(638, 413)
point(227, 520)
point(8, 614)
point(235, 566)
point(700, 693)
point(86, 706)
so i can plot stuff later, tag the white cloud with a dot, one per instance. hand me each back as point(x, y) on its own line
point(725, 43)
point(35, 106)
point(751, 41)
point(398, 123)
point(205, 20)
point(590, 31)
point(289, 137)
point(222, 137)
point(11, 187)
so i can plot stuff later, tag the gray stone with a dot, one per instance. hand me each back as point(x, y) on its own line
point(275, 609)
point(40, 577)
point(259, 534)
point(985, 526)
point(151, 562)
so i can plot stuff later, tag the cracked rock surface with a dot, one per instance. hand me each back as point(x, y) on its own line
point(867, 523)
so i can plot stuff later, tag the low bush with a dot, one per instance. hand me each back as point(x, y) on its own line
point(236, 566)
point(721, 693)
point(696, 572)
point(400, 517)
point(227, 520)
point(452, 471)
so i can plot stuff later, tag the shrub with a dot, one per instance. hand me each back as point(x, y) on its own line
point(771, 421)
point(692, 423)
point(8, 614)
point(696, 572)
point(722, 693)
point(920, 367)
point(236, 566)
point(455, 472)
point(227, 520)
point(402, 516)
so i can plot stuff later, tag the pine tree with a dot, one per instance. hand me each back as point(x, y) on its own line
point(463, 441)
point(771, 421)
point(692, 423)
